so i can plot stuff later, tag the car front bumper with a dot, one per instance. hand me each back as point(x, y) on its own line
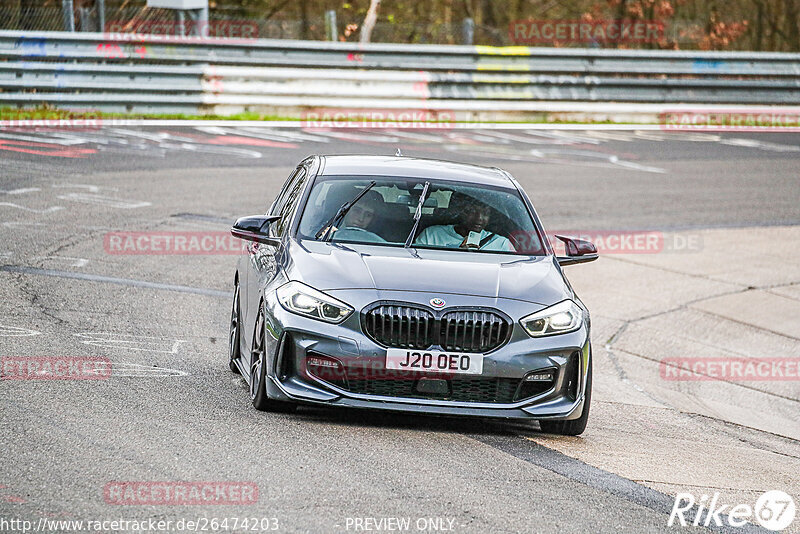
point(293, 339)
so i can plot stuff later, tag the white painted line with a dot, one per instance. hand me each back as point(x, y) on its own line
point(264, 133)
point(639, 167)
point(32, 139)
point(90, 188)
point(415, 136)
point(131, 342)
point(761, 145)
point(535, 138)
point(135, 370)
point(120, 203)
point(15, 331)
point(69, 260)
point(20, 191)
point(114, 280)
point(32, 210)
point(573, 157)
point(347, 136)
point(22, 224)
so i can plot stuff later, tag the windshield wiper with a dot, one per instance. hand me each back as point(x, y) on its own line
point(417, 215)
point(325, 232)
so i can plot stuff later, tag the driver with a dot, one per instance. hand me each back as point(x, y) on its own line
point(469, 232)
point(355, 223)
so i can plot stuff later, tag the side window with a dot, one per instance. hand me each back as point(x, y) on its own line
point(280, 200)
point(290, 203)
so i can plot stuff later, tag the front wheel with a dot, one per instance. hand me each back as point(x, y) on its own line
point(574, 427)
point(258, 372)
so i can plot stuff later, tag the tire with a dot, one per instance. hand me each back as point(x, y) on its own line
point(258, 371)
point(234, 339)
point(574, 427)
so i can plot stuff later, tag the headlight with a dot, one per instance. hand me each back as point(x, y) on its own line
point(305, 300)
point(559, 318)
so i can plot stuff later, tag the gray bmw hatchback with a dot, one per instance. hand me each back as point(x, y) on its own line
point(412, 285)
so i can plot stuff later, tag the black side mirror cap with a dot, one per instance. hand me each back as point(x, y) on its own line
point(578, 251)
point(254, 228)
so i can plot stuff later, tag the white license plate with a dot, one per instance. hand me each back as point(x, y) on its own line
point(434, 361)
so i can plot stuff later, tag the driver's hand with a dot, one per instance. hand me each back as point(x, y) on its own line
point(464, 244)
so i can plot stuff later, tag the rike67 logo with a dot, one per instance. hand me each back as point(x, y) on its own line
point(774, 510)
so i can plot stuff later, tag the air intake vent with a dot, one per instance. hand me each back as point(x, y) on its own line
point(472, 331)
point(404, 327)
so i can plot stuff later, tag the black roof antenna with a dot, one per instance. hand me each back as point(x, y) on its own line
point(398, 153)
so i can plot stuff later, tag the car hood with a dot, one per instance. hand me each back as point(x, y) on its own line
point(328, 266)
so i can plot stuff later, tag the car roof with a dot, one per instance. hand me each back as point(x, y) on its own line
point(364, 165)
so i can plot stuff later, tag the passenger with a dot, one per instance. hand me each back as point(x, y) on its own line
point(469, 232)
point(355, 223)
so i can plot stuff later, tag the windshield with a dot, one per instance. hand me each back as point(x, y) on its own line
point(455, 216)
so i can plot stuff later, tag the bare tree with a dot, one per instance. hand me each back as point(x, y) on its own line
point(369, 21)
point(792, 24)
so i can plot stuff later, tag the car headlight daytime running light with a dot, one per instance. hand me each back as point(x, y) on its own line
point(305, 300)
point(566, 316)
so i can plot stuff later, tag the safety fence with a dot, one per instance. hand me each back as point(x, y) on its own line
point(136, 73)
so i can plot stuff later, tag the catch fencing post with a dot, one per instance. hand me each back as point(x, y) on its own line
point(101, 14)
point(331, 30)
point(468, 31)
point(69, 18)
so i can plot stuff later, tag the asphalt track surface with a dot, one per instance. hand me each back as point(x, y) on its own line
point(171, 411)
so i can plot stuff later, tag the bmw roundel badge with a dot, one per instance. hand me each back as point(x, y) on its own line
point(437, 302)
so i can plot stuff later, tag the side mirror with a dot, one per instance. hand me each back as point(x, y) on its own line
point(578, 251)
point(254, 228)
